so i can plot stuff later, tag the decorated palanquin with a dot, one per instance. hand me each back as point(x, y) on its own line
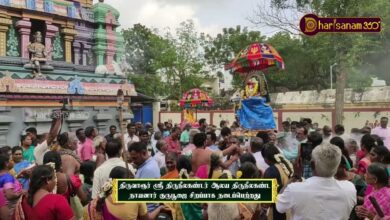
point(252, 107)
point(192, 100)
point(56, 50)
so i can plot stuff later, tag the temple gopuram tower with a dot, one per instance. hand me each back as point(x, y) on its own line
point(60, 51)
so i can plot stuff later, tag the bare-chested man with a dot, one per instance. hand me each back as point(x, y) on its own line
point(70, 160)
point(201, 156)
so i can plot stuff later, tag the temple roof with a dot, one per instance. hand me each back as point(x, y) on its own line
point(100, 11)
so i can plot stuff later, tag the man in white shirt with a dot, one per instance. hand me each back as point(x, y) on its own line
point(256, 145)
point(130, 136)
point(43, 147)
point(339, 131)
point(383, 132)
point(326, 134)
point(162, 150)
point(320, 197)
point(102, 173)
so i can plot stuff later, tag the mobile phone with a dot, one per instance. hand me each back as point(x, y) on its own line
point(376, 206)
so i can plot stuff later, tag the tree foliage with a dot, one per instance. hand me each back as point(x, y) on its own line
point(169, 63)
point(222, 49)
point(165, 64)
point(352, 52)
point(361, 53)
point(149, 84)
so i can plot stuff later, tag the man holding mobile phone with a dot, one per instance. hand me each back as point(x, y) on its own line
point(321, 196)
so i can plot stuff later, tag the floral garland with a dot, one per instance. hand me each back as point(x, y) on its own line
point(188, 154)
point(228, 174)
point(107, 186)
point(278, 159)
point(184, 172)
point(249, 93)
point(53, 165)
point(239, 174)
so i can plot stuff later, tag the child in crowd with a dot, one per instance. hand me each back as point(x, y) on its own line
point(352, 148)
point(87, 169)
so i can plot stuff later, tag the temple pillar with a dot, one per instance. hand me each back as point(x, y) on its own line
point(24, 28)
point(109, 61)
point(51, 31)
point(5, 122)
point(87, 3)
point(5, 22)
point(68, 37)
point(77, 52)
point(102, 120)
point(100, 57)
point(87, 48)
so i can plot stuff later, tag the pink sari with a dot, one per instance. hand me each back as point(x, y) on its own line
point(90, 212)
point(382, 196)
point(202, 172)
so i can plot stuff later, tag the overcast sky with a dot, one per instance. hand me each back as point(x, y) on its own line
point(209, 16)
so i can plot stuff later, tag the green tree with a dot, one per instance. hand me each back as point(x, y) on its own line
point(222, 49)
point(140, 51)
point(168, 64)
point(350, 51)
point(181, 63)
point(145, 51)
point(149, 84)
point(301, 73)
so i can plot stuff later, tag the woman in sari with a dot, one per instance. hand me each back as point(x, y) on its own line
point(9, 185)
point(104, 208)
point(381, 154)
point(41, 203)
point(171, 163)
point(367, 143)
point(69, 186)
point(378, 177)
point(185, 211)
point(20, 166)
point(7, 151)
point(280, 169)
point(237, 211)
point(249, 211)
point(4, 211)
point(339, 142)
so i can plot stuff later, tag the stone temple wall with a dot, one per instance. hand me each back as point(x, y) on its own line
point(15, 120)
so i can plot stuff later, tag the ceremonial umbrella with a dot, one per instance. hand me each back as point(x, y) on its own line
point(257, 56)
point(195, 98)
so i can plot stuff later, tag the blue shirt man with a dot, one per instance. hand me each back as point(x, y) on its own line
point(147, 167)
point(148, 170)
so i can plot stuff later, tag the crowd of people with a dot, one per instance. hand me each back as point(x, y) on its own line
point(322, 173)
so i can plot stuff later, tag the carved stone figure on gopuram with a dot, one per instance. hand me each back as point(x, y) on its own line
point(54, 53)
point(38, 56)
